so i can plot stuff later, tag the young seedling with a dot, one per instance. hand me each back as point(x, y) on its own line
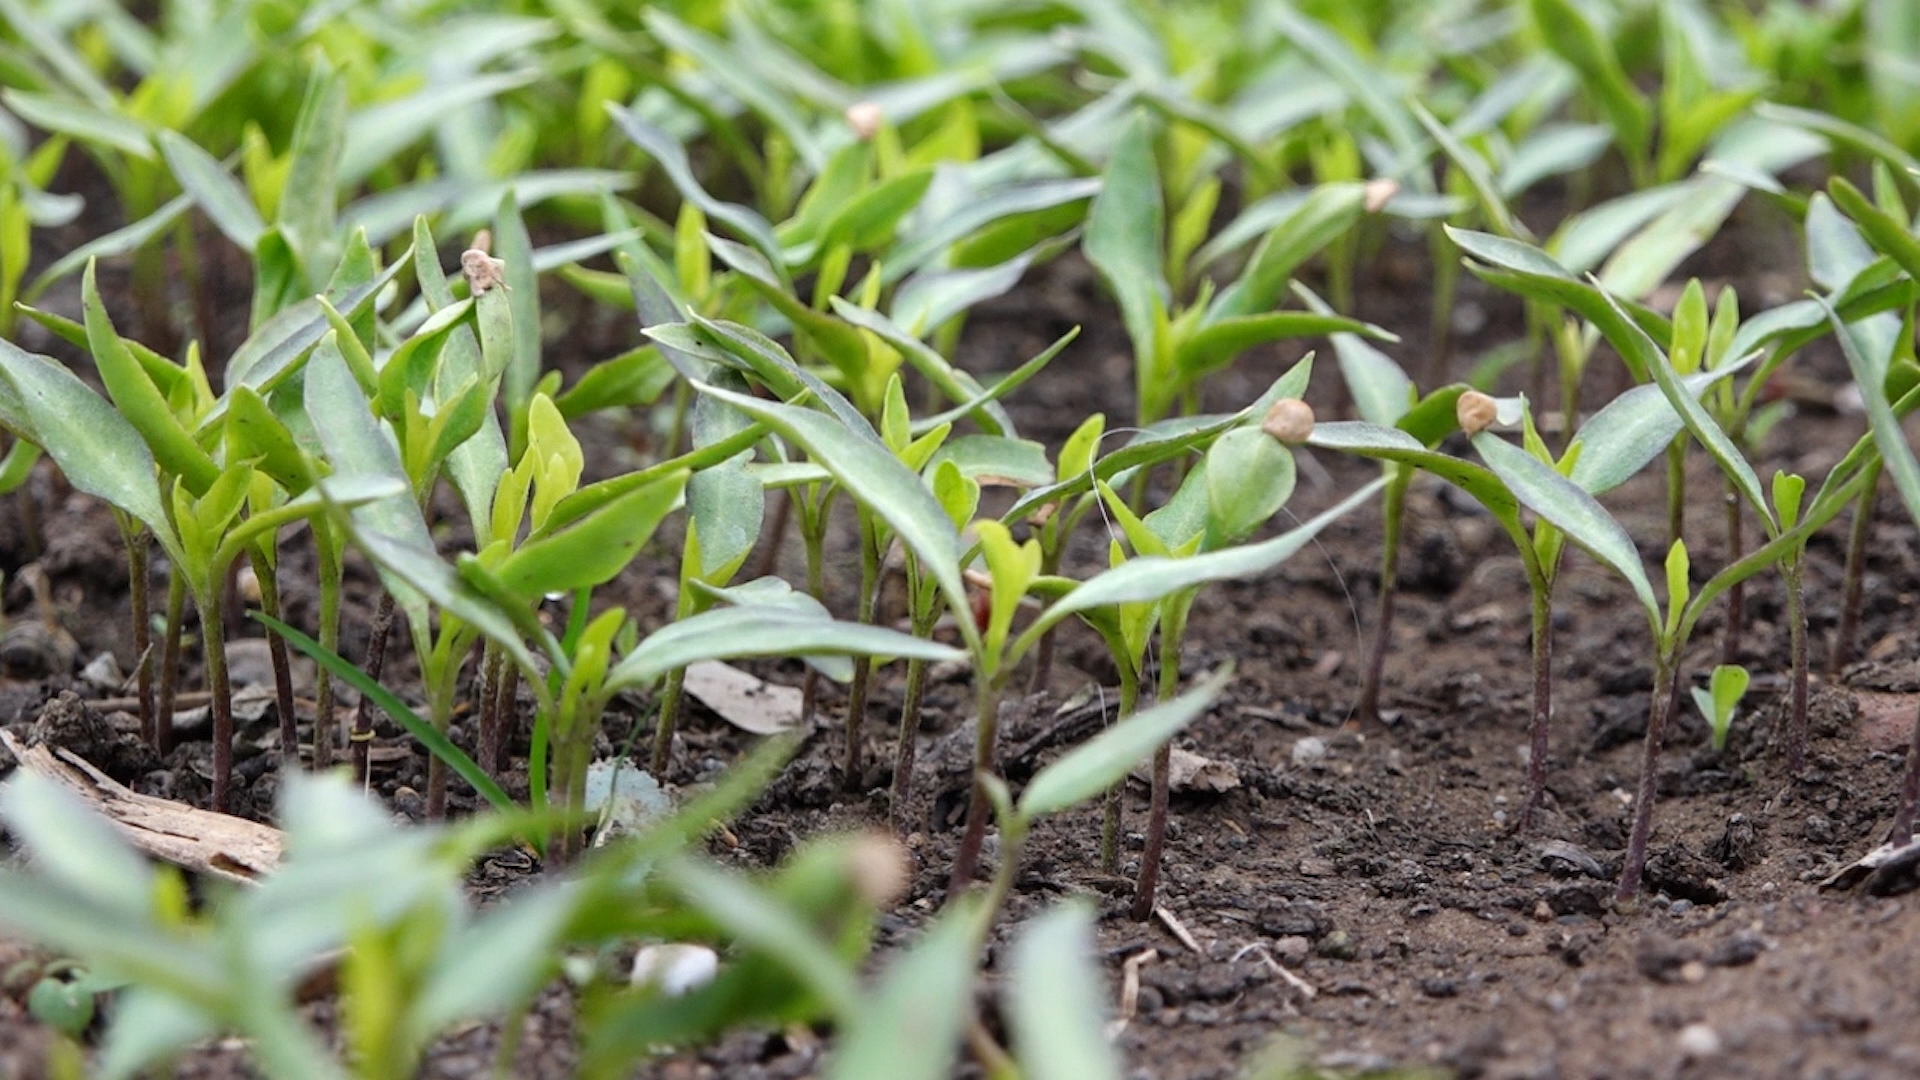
point(1719, 699)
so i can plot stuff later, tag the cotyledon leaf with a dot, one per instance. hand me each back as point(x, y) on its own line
point(731, 633)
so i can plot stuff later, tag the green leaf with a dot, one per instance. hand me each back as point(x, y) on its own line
point(1125, 232)
point(97, 450)
point(1361, 79)
point(1149, 578)
point(515, 249)
point(1570, 509)
point(225, 202)
point(591, 550)
point(1219, 342)
point(309, 196)
point(1392, 444)
point(139, 400)
point(634, 378)
point(1679, 585)
point(1847, 134)
point(909, 1027)
point(725, 502)
point(1869, 374)
point(995, 461)
point(1569, 33)
point(672, 159)
point(1249, 477)
point(877, 479)
point(1323, 217)
point(89, 125)
point(1058, 998)
point(733, 633)
point(1632, 429)
point(1104, 760)
point(1474, 167)
point(129, 237)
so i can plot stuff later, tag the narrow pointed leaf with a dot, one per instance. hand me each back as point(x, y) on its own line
point(1106, 759)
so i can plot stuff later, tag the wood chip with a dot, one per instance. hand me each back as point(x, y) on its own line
point(1129, 990)
point(199, 840)
point(748, 703)
point(1178, 929)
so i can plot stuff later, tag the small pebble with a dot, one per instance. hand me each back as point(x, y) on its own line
point(1699, 1041)
point(1309, 751)
point(1693, 971)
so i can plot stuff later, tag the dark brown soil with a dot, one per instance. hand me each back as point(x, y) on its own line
point(1380, 868)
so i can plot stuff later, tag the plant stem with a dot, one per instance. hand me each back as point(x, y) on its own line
point(862, 665)
point(1677, 490)
point(1794, 570)
point(813, 538)
point(1110, 818)
point(213, 636)
point(1666, 695)
point(1173, 624)
point(1857, 538)
point(170, 662)
point(361, 739)
point(264, 572)
point(1043, 652)
point(1394, 502)
point(138, 560)
point(1737, 594)
point(488, 736)
point(325, 726)
point(904, 755)
point(1909, 791)
point(671, 694)
point(1542, 705)
point(986, 735)
point(506, 694)
point(1446, 278)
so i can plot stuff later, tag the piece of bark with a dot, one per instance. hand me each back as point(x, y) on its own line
point(199, 840)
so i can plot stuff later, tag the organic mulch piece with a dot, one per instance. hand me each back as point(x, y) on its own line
point(199, 840)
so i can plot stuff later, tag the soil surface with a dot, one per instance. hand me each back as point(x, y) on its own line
point(1361, 890)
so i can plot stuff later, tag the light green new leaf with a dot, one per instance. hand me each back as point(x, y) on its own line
point(1104, 760)
point(139, 400)
point(592, 550)
point(1059, 998)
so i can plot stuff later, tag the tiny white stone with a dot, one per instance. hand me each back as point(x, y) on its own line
point(1699, 1041)
point(675, 969)
point(1309, 750)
